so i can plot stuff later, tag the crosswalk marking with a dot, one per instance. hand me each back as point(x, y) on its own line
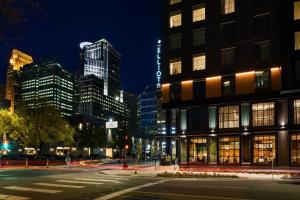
point(115, 178)
point(98, 180)
point(60, 185)
point(81, 182)
point(27, 189)
point(10, 197)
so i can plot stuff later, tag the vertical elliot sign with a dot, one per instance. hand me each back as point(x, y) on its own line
point(158, 58)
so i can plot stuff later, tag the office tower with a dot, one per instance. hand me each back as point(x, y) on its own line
point(231, 75)
point(47, 83)
point(102, 60)
point(17, 61)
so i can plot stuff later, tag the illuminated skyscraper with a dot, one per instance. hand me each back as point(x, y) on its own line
point(102, 60)
point(17, 61)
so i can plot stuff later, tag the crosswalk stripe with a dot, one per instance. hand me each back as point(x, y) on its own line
point(60, 185)
point(115, 178)
point(10, 197)
point(81, 182)
point(27, 189)
point(98, 180)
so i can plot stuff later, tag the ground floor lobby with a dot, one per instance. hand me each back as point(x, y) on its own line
point(280, 148)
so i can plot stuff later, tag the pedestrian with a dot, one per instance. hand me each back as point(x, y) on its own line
point(68, 159)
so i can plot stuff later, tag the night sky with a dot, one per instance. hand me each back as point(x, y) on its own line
point(131, 26)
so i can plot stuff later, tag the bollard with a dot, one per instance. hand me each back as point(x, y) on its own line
point(26, 163)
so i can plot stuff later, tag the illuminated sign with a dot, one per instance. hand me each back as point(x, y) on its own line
point(111, 124)
point(158, 58)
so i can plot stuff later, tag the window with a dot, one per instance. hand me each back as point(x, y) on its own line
point(229, 117)
point(175, 19)
point(263, 114)
point(228, 56)
point(199, 62)
point(199, 36)
point(264, 149)
point(297, 111)
point(175, 67)
point(228, 31)
point(198, 150)
point(172, 2)
point(297, 40)
point(228, 85)
point(175, 41)
point(229, 150)
point(175, 92)
point(228, 6)
point(263, 50)
point(262, 79)
point(296, 10)
point(295, 149)
point(262, 24)
point(199, 13)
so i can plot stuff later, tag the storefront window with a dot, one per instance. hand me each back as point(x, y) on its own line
point(263, 114)
point(229, 117)
point(295, 149)
point(229, 150)
point(198, 150)
point(297, 112)
point(264, 149)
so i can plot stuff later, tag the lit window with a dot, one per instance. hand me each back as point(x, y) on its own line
point(199, 62)
point(229, 150)
point(198, 150)
point(199, 36)
point(229, 117)
point(263, 114)
point(175, 19)
point(172, 2)
point(295, 149)
point(175, 41)
point(297, 40)
point(227, 56)
point(264, 149)
point(228, 6)
point(262, 79)
point(297, 112)
point(199, 13)
point(296, 10)
point(175, 67)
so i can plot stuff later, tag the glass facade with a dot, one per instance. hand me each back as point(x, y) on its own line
point(264, 149)
point(229, 117)
point(295, 149)
point(229, 150)
point(198, 150)
point(296, 111)
point(263, 114)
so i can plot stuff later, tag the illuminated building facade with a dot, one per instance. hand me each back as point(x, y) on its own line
point(17, 61)
point(102, 60)
point(47, 83)
point(231, 74)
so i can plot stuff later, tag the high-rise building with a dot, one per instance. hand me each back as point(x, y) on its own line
point(130, 100)
point(17, 61)
point(231, 73)
point(147, 108)
point(47, 83)
point(102, 60)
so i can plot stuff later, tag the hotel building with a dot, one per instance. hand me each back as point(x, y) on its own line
point(231, 74)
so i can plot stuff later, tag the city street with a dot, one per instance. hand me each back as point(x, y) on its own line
point(25, 184)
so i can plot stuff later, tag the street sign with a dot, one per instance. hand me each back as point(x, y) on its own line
point(112, 124)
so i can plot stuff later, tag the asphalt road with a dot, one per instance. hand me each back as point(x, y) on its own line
point(67, 185)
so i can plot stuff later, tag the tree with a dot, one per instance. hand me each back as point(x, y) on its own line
point(11, 124)
point(45, 126)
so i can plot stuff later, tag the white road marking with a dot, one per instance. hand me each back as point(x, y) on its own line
point(119, 193)
point(224, 187)
point(98, 180)
point(191, 196)
point(10, 197)
point(60, 185)
point(81, 182)
point(27, 189)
